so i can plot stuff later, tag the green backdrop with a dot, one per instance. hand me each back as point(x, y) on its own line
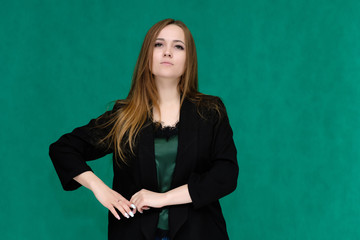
point(288, 72)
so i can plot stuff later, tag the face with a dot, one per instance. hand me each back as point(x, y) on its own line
point(169, 53)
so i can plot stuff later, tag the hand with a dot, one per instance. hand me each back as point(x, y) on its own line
point(112, 199)
point(144, 199)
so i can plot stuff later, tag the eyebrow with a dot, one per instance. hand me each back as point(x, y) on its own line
point(173, 40)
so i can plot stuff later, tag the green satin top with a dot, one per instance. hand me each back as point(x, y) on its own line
point(166, 143)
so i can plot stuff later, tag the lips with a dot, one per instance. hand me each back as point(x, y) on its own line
point(166, 63)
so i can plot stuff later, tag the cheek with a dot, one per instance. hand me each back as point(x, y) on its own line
point(153, 60)
point(155, 56)
point(183, 63)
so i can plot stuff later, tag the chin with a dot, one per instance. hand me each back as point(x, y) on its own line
point(164, 75)
point(170, 77)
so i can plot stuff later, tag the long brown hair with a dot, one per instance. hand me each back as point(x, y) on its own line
point(142, 98)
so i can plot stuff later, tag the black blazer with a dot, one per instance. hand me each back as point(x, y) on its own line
point(206, 161)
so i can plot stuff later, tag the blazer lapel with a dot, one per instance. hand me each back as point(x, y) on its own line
point(185, 161)
point(148, 177)
point(146, 158)
point(187, 144)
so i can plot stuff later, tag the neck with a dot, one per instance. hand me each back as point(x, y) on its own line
point(168, 91)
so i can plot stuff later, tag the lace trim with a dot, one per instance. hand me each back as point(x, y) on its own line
point(157, 123)
point(167, 132)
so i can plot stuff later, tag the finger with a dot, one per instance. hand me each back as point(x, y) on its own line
point(130, 208)
point(138, 205)
point(125, 204)
point(133, 198)
point(136, 200)
point(143, 208)
point(135, 205)
point(133, 208)
point(133, 211)
point(123, 208)
point(119, 209)
point(113, 211)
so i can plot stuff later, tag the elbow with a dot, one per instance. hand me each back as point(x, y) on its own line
point(232, 180)
point(55, 149)
point(52, 150)
point(233, 185)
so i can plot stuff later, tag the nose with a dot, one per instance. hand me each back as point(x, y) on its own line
point(167, 52)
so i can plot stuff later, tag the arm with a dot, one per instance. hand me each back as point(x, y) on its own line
point(221, 179)
point(105, 195)
point(69, 155)
point(71, 151)
point(179, 195)
point(145, 198)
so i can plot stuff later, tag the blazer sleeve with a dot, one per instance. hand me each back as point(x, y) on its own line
point(71, 151)
point(221, 178)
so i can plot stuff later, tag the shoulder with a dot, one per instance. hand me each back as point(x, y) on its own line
point(119, 104)
point(112, 110)
point(116, 106)
point(207, 101)
point(209, 106)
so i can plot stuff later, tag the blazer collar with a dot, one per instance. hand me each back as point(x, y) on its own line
point(187, 149)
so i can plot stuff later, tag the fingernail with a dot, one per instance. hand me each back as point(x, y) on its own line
point(133, 206)
point(126, 215)
point(118, 218)
point(131, 214)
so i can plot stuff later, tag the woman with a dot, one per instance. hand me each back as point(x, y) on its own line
point(173, 151)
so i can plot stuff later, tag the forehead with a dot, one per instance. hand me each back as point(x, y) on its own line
point(172, 32)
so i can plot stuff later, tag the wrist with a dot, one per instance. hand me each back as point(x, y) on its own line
point(165, 199)
point(95, 184)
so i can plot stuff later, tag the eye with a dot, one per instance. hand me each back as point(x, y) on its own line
point(158, 44)
point(179, 47)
